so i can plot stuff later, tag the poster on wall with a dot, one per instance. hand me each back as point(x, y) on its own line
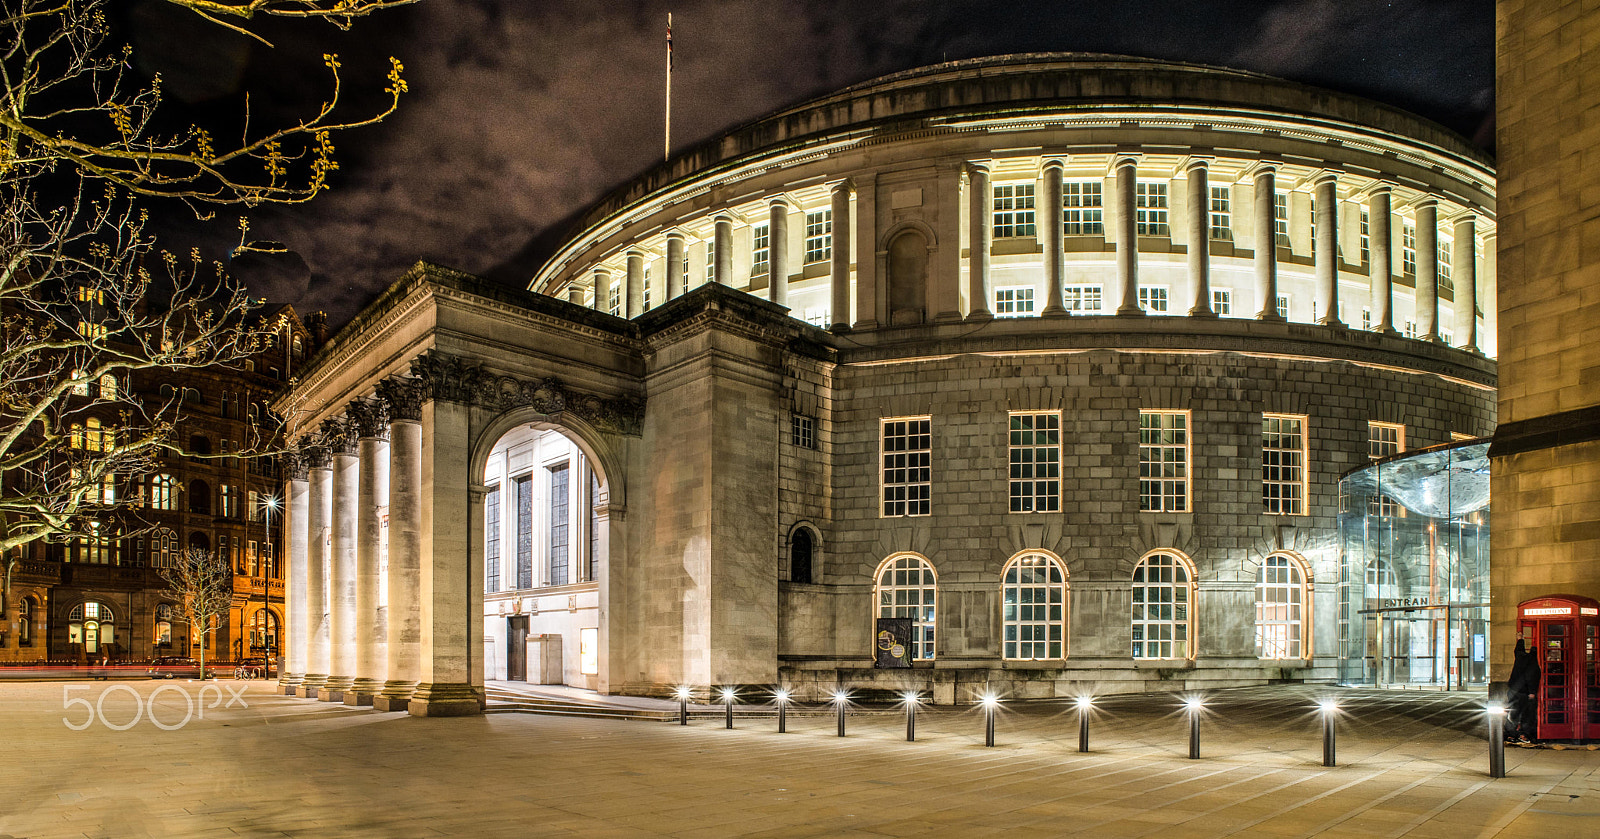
point(893, 646)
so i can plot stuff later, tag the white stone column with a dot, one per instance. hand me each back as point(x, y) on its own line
point(1326, 256)
point(1427, 269)
point(341, 438)
point(575, 294)
point(1055, 254)
point(1266, 261)
point(1464, 263)
point(839, 276)
point(1127, 171)
point(602, 290)
point(1491, 294)
point(297, 637)
point(722, 250)
point(1199, 228)
point(633, 286)
point(370, 424)
point(403, 652)
point(319, 497)
point(1380, 257)
point(675, 269)
point(979, 218)
point(778, 251)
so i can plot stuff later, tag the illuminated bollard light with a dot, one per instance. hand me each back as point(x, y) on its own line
point(683, 704)
point(1194, 706)
point(1085, 705)
point(1330, 713)
point(1497, 740)
point(990, 702)
point(840, 700)
point(781, 697)
point(728, 696)
point(912, 700)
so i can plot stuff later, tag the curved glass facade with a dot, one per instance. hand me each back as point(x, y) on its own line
point(1414, 568)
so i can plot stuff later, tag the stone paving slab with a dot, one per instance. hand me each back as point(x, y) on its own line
point(1411, 765)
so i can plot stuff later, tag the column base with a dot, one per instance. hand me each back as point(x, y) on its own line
point(396, 694)
point(947, 317)
point(362, 692)
point(1330, 322)
point(287, 682)
point(1202, 313)
point(1273, 317)
point(1130, 311)
point(839, 328)
point(308, 688)
point(445, 700)
point(1055, 312)
point(980, 316)
point(335, 688)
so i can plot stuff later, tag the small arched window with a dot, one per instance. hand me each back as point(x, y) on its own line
point(25, 624)
point(800, 553)
point(1280, 607)
point(163, 633)
point(1033, 608)
point(1163, 590)
point(297, 348)
point(907, 588)
point(164, 492)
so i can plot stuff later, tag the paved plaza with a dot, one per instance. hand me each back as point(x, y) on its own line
point(1411, 764)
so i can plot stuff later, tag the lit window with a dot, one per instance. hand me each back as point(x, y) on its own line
point(1280, 218)
point(711, 260)
point(1445, 281)
point(1083, 298)
point(559, 527)
point(802, 431)
point(1408, 247)
point(1283, 306)
point(1152, 208)
point(907, 466)
point(1280, 608)
point(1221, 214)
point(1034, 609)
point(646, 301)
point(1164, 461)
point(1366, 318)
point(1013, 302)
point(589, 650)
point(108, 386)
point(1082, 208)
point(1035, 463)
point(1384, 439)
point(1013, 210)
point(1153, 299)
point(1366, 236)
point(907, 588)
point(89, 294)
point(491, 539)
point(1163, 588)
point(760, 249)
point(1283, 459)
point(524, 501)
point(25, 623)
point(90, 330)
point(80, 383)
point(1222, 301)
point(614, 299)
point(819, 236)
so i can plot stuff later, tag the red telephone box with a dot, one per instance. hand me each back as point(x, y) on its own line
point(1564, 631)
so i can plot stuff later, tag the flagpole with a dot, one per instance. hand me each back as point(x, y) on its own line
point(666, 152)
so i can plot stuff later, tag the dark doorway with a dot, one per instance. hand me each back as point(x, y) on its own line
point(517, 648)
point(800, 556)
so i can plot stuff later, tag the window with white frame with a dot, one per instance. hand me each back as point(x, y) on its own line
point(1163, 588)
point(907, 466)
point(1410, 329)
point(1280, 608)
point(760, 249)
point(1013, 210)
point(907, 588)
point(163, 492)
point(1151, 208)
point(1035, 462)
point(1221, 213)
point(1312, 217)
point(614, 299)
point(1082, 208)
point(491, 539)
point(1366, 318)
point(711, 260)
point(524, 501)
point(1280, 218)
point(647, 288)
point(1384, 439)
point(1283, 464)
point(1283, 306)
point(1033, 608)
point(1153, 298)
point(819, 236)
point(1443, 250)
point(1366, 236)
point(1083, 298)
point(1164, 461)
point(1013, 301)
point(1446, 336)
point(1408, 247)
point(559, 540)
point(1222, 301)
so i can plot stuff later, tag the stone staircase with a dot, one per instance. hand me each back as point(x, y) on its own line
point(504, 701)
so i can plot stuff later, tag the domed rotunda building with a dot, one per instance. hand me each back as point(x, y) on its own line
point(1033, 374)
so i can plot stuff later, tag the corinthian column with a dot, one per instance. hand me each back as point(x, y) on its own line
point(1199, 228)
point(1427, 250)
point(1266, 244)
point(370, 423)
point(318, 498)
point(295, 534)
point(341, 437)
point(978, 218)
point(403, 398)
point(1127, 169)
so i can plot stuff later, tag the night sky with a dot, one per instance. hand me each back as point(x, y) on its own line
point(522, 112)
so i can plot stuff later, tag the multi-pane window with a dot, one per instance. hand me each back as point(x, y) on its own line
point(1222, 301)
point(491, 539)
point(593, 557)
point(802, 431)
point(90, 435)
point(711, 260)
point(1283, 464)
point(1033, 609)
point(560, 482)
point(1035, 463)
point(819, 236)
point(907, 589)
point(1083, 298)
point(1280, 218)
point(907, 466)
point(1082, 208)
point(760, 249)
point(1312, 217)
point(1280, 605)
point(1443, 250)
point(1014, 301)
point(108, 386)
point(163, 492)
point(91, 330)
point(1221, 213)
point(1408, 247)
point(1164, 461)
point(1283, 306)
point(614, 299)
point(1013, 210)
point(524, 485)
point(1384, 439)
point(1410, 330)
point(647, 288)
point(1153, 299)
point(1162, 591)
point(1151, 205)
point(1366, 236)
point(1366, 318)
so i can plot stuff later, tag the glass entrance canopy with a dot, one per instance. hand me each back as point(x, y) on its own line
point(1414, 568)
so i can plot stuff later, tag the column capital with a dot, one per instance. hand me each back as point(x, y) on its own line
point(846, 186)
point(780, 201)
point(1424, 201)
point(1057, 162)
point(972, 167)
point(403, 398)
point(296, 466)
point(1196, 161)
point(675, 233)
point(1124, 159)
point(370, 417)
point(447, 377)
point(315, 452)
point(339, 434)
point(1262, 167)
point(1322, 176)
point(1373, 189)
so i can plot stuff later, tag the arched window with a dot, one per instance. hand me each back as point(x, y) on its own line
point(164, 492)
point(263, 632)
point(298, 349)
point(199, 444)
point(1280, 607)
point(90, 624)
point(90, 436)
point(1163, 589)
point(800, 552)
point(25, 624)
point(1034, 608)
point(907, 589)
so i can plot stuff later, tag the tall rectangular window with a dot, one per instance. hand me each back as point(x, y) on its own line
point(491, 539)
point(1366, 236)
point(1408, 248)
point(524, 484)
point(1035, 463)
point(1152, 208)
point(1222, 301)
point(1410, 329)
point(1083, 298)
point(760, 249)
point(1082, 208)
point(1013, 210)
point(1164, 461)
point(907, 466)
point(1366, 318)
point(819, 236)
point(1283, 464)
point(614, 299)
point(560, 483)
point(711, 260)
point(1153, 299)
point(1013, 301)
point(1280, 218)
point(1384, 439)
point(803, 431)
point(1283, 306)
point(1446, 283)
point(1221, 213)
point(591, 572)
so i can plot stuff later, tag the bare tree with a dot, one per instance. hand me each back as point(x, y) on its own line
point(201, 584)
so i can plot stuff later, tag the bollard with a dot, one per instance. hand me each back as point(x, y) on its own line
point(1497, 741)
point(989, 704)
point(911, 716)
point(782, 697)
point(1084, 705)
point(727, 700)
point(1194, 706)
point(1330, 711)
point(683, 704)
point(840, 698)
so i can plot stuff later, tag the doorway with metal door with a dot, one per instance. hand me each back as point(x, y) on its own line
point(517, 648)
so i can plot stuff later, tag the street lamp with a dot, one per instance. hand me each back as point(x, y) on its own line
point(1194, 705)
point(989, 702)
point(269, 505)
point(841, 699)
point(1330, 712)
point(781, 697)
point(728, 695)
point(912, 700)
point(683, 704)
point(1085, 705)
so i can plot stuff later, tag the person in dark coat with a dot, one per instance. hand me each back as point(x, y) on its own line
point(1521, 691)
